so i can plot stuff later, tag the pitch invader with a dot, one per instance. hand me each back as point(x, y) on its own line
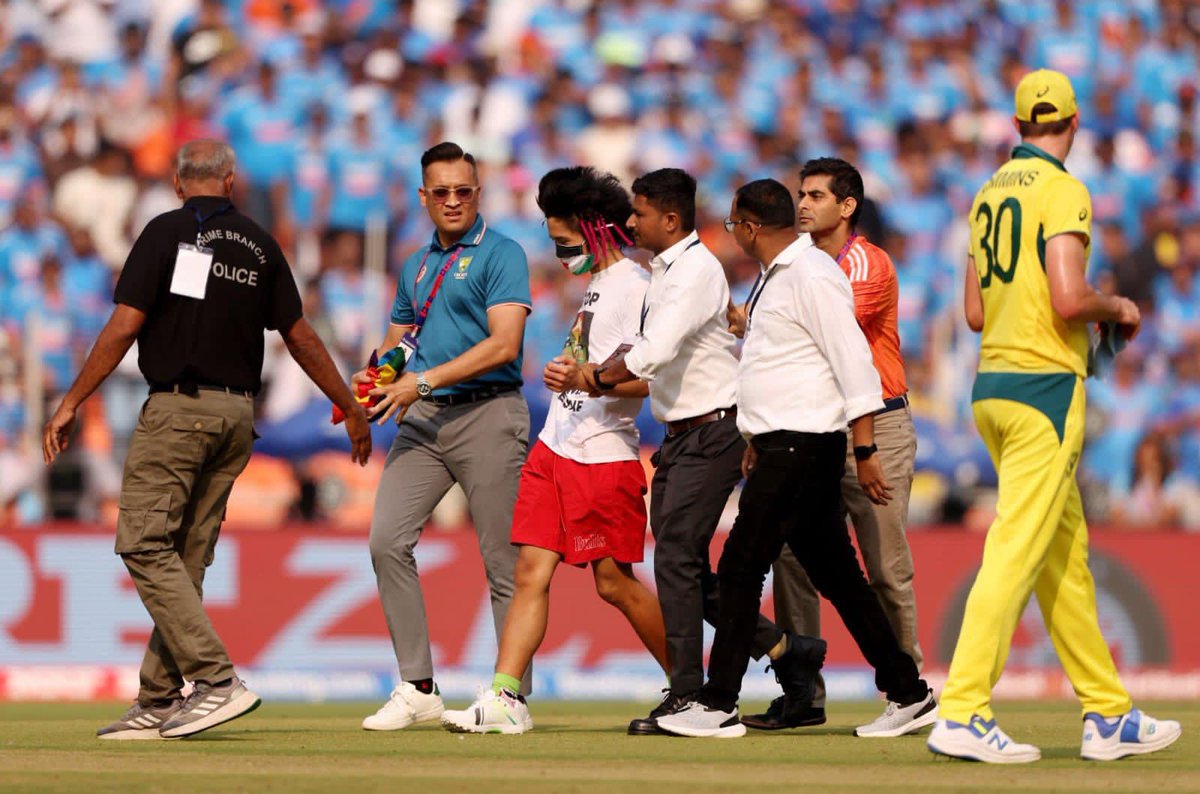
point(1025, 290)
point(581, 499)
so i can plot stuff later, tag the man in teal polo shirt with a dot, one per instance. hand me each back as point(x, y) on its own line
point(464, 299)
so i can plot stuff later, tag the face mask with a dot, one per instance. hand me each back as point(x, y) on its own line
point(574, 258)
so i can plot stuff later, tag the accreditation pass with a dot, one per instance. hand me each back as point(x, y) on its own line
point(192, 265)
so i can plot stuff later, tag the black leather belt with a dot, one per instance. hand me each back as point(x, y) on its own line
point(466, 398)
point(893, 404)
point(684, 425)
point(190, 389)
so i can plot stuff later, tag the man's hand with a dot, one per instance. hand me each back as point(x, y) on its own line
point(358, 428)
point(870, 477)
point(1129, 321)
point(361, 377)
point(395, 396)
point(562, 374)
point(57, 434)
point(749, 461)
point(736, 317)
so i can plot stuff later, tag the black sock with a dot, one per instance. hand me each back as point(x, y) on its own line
point(424, 686)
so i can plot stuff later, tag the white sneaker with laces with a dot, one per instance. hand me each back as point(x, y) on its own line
point(1133, 733)
point(979, 740)
point(492, 712)
point(698, 719)
point(898, 720)
point(406, 706)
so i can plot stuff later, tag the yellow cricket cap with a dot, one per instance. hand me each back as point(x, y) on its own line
point(1045, 86)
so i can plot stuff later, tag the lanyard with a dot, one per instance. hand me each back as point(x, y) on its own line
point(437, 284)
point(666, 270)
point(203, 219)
point(756, 291)
point(845, 248)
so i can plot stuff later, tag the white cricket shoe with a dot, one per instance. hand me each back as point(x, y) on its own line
point(898, 720)
point(979, 740)
point(697, 719)
point(406, 706)
point(1133, 733)
point(492, 712)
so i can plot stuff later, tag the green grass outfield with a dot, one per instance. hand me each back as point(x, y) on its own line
point(575, 747)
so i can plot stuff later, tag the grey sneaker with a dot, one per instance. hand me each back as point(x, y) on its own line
point(697, 719)
point(209, 706)
point(898, 720)
point(140, 722)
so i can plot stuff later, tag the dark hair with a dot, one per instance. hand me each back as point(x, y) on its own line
point(670, 190)
point(844, 181)
point(1033, 129)
point(768, 202)
point(448, 152)
point(582, 192)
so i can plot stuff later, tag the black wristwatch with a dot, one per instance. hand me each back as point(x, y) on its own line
point(599, 384)
point(865, 453)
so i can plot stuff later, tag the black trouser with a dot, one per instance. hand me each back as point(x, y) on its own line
point(696, 472)
point(793, 496)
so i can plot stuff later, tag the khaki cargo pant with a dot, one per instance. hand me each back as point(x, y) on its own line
point(183, 458)
point(881, 539)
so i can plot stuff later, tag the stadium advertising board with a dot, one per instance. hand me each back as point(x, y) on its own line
point(299, 612)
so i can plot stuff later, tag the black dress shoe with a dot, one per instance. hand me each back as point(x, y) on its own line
point(648, 726)
point(785, 713)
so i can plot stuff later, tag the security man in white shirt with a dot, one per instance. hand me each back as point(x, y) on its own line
point(686, 352)
point(805, 372)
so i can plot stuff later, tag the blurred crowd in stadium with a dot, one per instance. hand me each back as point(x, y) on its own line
point(329, 105)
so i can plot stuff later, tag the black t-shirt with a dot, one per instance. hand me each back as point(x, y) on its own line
point(217, 340)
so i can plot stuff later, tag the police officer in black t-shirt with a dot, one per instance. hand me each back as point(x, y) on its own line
point(198, 289)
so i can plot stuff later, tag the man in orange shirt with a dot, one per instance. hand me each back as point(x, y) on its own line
point(830, 198)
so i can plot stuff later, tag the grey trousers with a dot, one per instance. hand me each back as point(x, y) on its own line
point(881, 539)
point(482, 447)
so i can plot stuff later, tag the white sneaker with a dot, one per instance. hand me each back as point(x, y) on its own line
point(1133, 733)
point(898, 720)
point(979, 740)
point(698, 719)
point(406, 706)
point(492, 712)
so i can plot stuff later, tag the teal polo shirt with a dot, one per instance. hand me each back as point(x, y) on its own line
point(491, 270)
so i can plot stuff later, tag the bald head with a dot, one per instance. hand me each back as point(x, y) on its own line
point(204, 168)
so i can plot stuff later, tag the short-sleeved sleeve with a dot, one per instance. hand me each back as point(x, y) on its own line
point(150, 261)
point(402, 308)
point(1067, 209)
point(507, 278)
point(286, 307)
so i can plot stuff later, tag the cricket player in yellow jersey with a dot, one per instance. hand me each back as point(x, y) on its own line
point(1026, 291)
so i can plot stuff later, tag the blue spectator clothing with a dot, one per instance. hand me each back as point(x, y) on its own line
point(360, 178)
point(308, 176)
point(22, 251)
point(489, 270)
point(87, 284)
point(20, 168)
point(261, 132)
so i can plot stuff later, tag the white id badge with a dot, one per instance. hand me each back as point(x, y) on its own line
point(408, 343)
point(192, 265)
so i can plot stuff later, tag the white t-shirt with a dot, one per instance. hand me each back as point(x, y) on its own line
point(600, 429)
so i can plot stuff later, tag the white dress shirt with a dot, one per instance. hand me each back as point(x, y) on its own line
point(686, 351)
point(806, 365)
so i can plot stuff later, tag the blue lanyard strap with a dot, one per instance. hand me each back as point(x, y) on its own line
point(666, 270)
point(203, 219)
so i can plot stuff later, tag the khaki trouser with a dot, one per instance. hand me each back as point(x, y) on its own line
point(183, 458)
point(881, 539)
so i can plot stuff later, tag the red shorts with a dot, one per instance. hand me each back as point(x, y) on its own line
point(583, 511)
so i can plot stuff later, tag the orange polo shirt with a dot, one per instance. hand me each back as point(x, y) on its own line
point(876, 295)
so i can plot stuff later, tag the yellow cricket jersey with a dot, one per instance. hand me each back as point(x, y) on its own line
point(1029, 199)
